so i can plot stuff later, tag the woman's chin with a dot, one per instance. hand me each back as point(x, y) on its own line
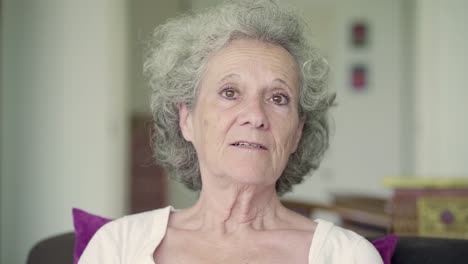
point(251, 177)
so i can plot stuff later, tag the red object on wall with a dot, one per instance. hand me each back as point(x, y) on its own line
point(359, 77)
point(359, 34)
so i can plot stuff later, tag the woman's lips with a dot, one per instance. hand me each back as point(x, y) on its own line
point(251, 145)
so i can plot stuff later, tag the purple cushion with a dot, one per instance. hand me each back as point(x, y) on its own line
point(86, 225)
point(386, 247)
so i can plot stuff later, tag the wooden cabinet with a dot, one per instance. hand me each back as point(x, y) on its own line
point(433, 207)
point(363, 214)
point(148, 182)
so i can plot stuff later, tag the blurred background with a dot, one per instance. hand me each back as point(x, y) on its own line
point(75, 118)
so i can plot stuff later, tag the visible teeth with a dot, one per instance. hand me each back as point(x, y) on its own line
point(245, 144)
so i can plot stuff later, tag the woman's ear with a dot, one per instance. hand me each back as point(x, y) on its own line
point(185, 122)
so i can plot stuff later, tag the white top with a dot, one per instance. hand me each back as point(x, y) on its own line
point(133, 239)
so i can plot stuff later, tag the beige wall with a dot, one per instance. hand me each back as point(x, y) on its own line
point(145, 15)
point(441, 81)
point(64, 112)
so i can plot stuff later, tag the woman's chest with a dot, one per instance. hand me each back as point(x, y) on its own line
point(194, 251)
point(196, 255)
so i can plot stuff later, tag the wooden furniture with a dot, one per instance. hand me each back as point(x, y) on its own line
point(148, 182)
point(433, 207)
point(363, 214)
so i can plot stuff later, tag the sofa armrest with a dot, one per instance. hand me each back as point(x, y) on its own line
point(53, 250)
point(423, 250)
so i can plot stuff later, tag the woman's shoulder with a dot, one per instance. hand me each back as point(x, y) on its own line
point(144, 223)
point(128, 236)
point(149, 219)
point(342, 245)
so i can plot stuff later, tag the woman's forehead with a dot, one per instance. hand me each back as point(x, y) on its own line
point(243, 56)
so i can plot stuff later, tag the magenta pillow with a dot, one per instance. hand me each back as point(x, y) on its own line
point(86, 225)
point(386, 247)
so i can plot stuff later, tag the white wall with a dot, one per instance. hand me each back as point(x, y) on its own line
point(144, 17)
point(64, 117)
point(367, 125)
point(441, 87)
point(200, 4)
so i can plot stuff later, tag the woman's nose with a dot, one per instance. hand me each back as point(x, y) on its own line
point(254, 114)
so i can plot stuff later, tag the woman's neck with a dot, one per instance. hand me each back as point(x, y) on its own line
point(232, 208)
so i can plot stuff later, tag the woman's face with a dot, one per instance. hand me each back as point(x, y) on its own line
point(245, 123)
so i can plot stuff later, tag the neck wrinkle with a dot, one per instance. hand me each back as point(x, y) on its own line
point(236, 209)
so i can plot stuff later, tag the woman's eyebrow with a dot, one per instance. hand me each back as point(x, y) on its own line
point(283, 82)
point(228, 77)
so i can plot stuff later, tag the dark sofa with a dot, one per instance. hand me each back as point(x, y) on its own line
point(409, 250)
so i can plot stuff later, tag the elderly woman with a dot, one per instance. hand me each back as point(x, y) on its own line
point(240, 108)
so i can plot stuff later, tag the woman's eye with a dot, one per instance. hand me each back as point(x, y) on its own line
point(280, 99)
point(229, 93)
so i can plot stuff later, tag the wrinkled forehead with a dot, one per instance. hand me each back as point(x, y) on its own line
point(243, 55)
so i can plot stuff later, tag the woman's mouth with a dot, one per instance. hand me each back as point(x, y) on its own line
point(251, 145)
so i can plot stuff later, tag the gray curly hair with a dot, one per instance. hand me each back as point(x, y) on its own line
point(178, 53)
